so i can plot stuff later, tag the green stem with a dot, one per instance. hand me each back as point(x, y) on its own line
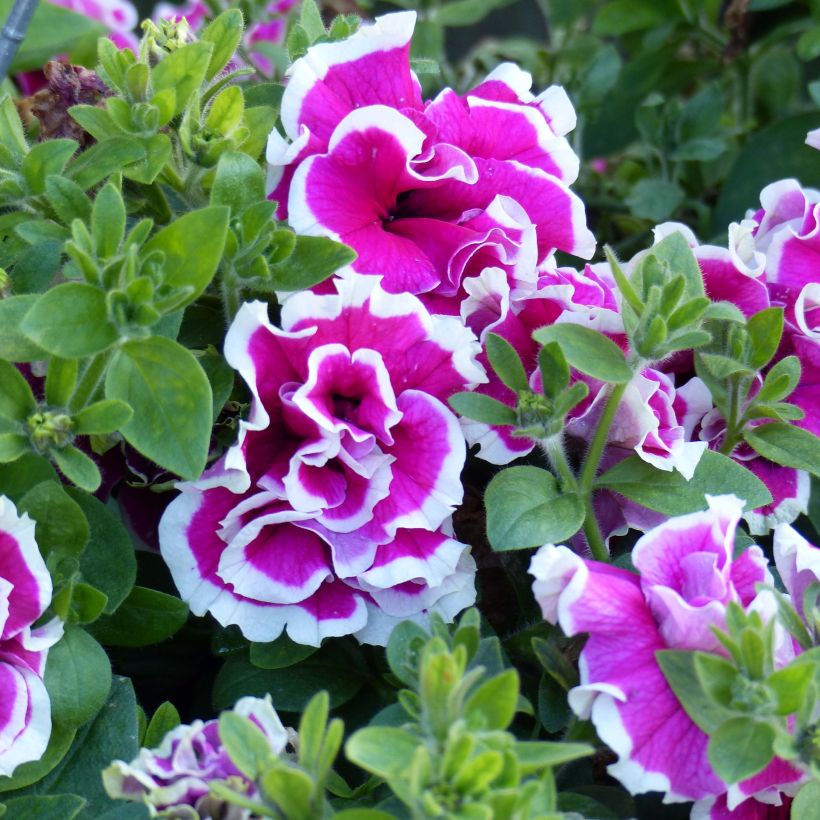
point(592, 531)
point(554, 448)
point(90, 381)
point(596, 448)
point(590, 469)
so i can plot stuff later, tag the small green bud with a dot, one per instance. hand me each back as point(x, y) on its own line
point(49, 429)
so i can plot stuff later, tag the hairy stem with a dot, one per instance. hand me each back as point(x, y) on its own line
point(90, 381)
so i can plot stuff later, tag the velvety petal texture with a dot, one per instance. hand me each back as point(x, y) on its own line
point(427, 193)
point(335, 501)
point(25, 593)
point(686, 577)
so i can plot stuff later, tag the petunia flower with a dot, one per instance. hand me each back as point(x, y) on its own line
point(25, 593)
point(430, 192)
point(178, 773)
point(687, 576)
point(330, 512)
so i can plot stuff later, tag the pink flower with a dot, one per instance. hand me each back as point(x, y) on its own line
point(326, 517)
point(118, 16)
point(180, 771)
point(687, 577)
point(25, 593)
point(426, 193)
point(563, 295)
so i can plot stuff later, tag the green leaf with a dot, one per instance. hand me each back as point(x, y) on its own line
point(164, 720)
point(70, 320)
point(525, 508)
point(674, 250)
point(483, 408)
point(28, 773)
point(721, 367)
point(157, 151)
point(87, 603)
point(716, 676)
point(15, 346)
point(239, 182)
point(109, 545)
point(58, 807)
point(493, 705)
point(12, 446)
point(60, 525)
point(193, 247)
point(781, 380)
point(171, 397)
point(314, 258)
point(27, 472)
point(790, 685)
point(288, 788)
point(786, 444)
point(249, 749)
point(112, 735)
point(108, 221)
point(78, 468)
point(226, 110)
point(534, 755)
point(403, 647)
point(655, 199)
point(765, 329)
point(43, 159)
point(279, 654)
point(102, 417)
point(382, 750)
point(588, 350)
point(504, 360)
point(670, 493)
point(555, 663)
point(145, 617)
point(224, 33)
point(181, 73)
point(311, 21)
point(331, 668)
point(554, 370)
point(740, 748)
point(806, 801)
point(102, 159)
point(67, 199)
point(16, 399)
point(61, 379)
point(467, 12)
point(700, 149)
point(78, 677)
point(625, 16)
point(12, 135)
point(681, 674)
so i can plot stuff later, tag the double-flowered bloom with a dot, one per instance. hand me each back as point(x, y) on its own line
point(429, 194)
point(177, 775)
point(25, 593)
point(330, 514)
point(686, 577)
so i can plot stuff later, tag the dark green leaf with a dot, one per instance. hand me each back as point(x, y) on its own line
point(765, 329)
point(239, 182)
point(102, 159)
point(467, 12)
point(145, 617)
point(45, 158)
point(106, 416)
point(59, 807)
point(109, 545)
point(279, 654)
point(164, 720)
point(15, 346)
point(60, 525)
point(78, 677)
point(655, 199)
point(16, 398)
point(314, 258)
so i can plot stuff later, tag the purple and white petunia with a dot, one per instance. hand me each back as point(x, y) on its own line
point(330, 514)
point(25, 593)
point(179, 772)
point(687, 576)
point(427, 193)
